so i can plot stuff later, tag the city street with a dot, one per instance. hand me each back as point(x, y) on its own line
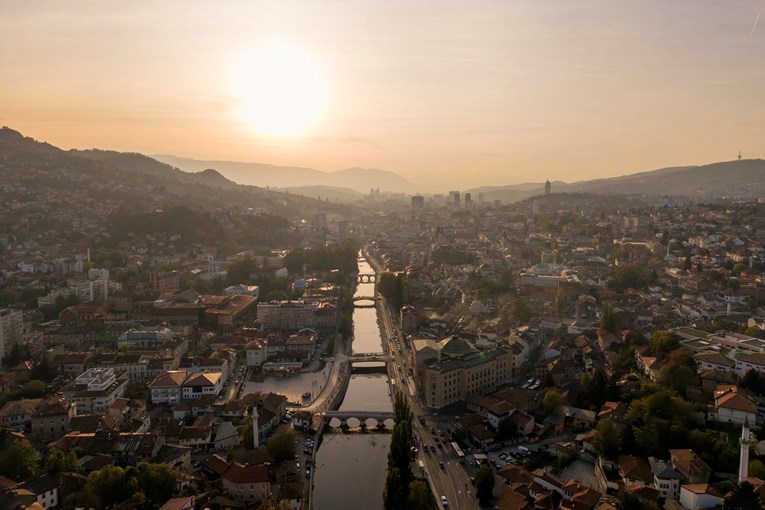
point(452, 481)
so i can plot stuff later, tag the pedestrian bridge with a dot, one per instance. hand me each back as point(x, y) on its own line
point(337, 419)
point(366, 278)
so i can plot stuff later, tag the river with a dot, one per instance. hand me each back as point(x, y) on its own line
point(350, 468)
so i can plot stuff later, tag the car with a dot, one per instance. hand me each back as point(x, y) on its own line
point(298, 464)
point(307, 472)
point(422, 420)
point(220, 397)
point(444, 501)
point(441, 465)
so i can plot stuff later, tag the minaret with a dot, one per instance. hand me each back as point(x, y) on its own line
point(743, 462)
point(255, 438)
point(548, 187)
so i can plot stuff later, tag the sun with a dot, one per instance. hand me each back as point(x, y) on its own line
point(278, 90)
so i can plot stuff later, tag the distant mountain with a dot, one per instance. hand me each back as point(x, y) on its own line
point(735, 179)
point(265, 175)
point(331, 193)
point(109, 180)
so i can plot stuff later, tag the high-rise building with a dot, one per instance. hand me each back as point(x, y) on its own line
point(468, 201)
point(548, 187)
point(11, 329)
point(418, 202)
point(480, 198)
point(454, 198)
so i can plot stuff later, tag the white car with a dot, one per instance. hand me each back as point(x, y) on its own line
point(444, 502)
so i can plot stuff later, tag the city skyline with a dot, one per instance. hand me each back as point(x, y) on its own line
point(490, 94)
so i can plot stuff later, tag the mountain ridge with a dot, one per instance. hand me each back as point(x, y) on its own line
point(267, 175)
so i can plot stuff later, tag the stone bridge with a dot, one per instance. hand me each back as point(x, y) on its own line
point(368, 356)
point(373, 300)
point(364, 417)
point(366, 278)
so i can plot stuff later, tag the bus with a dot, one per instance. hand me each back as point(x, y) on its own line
point(458, 451)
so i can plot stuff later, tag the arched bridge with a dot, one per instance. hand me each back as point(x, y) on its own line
point(379, 417)
point(371, 299)
point(366, 278)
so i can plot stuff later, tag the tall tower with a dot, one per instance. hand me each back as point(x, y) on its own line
point(548, 187)
point(255, 438)
point(743, 461)
point(739, 154)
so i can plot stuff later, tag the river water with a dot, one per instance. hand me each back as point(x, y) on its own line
point(350, 468)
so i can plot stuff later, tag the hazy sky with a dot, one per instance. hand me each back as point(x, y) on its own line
point(474, 92)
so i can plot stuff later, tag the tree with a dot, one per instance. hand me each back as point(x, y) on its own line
point(606, 441)
point(399, 474)
point(20, 461)
point(663, 342)
point(743, 497)
point(630, 276)
point(43, 371)
point(393, 497)
point(677, 377)
point(158, 481)
point(757, 469)
point(552, 401)
point(277, 295)
point(111, 485)
point(607, 318)
point(520, 311)
point(753, 382)
point(507, 429)
point(484, 485)
point(628, 441)
point(283, 444)
point(59, 461)
point(560, 302)
point(420, 497)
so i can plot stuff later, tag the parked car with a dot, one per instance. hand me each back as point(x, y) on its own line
point(444, 501)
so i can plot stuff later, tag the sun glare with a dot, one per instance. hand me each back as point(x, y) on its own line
point(278, 89)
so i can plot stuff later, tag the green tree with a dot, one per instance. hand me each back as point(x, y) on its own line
point(59, 461)
point(552, 401)
point(663, 342)
point(753, 382)
point(400, 456)
point(111, 485)
point(283, 444)
point(420, 497)
point(507, 429)
point(393, 497)
point(606, 441)
point(484, 485)
point(520, 311)
point(277, 295)
point(158, 481)
point(677, 377)
point(743, 497)
point(20, 461)
point(560, 302)
point(43, 371)
point(757, 469)
point(607, 318)
point(628, 442)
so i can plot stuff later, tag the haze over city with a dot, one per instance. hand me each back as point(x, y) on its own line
point(447, 94)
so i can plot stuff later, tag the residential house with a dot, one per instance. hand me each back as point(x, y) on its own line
point(700, 496)
point(733, 405)
point(666, 479)
point(51, 418)
point(693, 468)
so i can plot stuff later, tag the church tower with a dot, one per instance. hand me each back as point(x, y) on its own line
point(255, 438)
point(548, 187)
point(743, 462)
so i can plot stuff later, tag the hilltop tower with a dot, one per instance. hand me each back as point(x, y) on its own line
point(743, 461)
point(548, 187)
